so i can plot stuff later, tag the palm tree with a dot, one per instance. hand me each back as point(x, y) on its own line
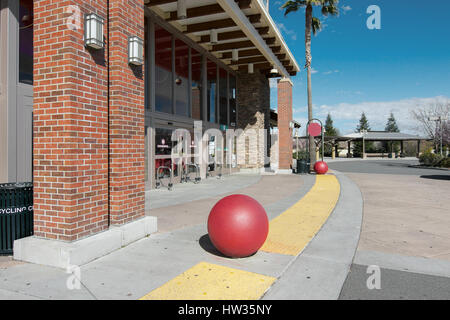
point(329, 7)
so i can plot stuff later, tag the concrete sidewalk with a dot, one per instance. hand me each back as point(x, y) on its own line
point(182, 247)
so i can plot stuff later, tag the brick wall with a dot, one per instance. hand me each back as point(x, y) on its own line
point(127, 114)
point(284, 119)
point(71, 116)
point(253, 98)
point(70, 125)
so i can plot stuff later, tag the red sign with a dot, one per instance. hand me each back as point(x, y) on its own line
point(314, 129)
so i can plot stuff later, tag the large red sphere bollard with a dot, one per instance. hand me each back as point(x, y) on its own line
point(321, 167)
point(238, 226)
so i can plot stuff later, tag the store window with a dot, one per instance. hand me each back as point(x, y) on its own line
point(163, 70)
point(223, 97)
point(232, 98)
point(26, 42)
point(182, 78)
point(196, 89)
point(212, 90)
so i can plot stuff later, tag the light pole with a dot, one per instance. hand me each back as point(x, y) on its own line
point(363, 133)
point(439, 119)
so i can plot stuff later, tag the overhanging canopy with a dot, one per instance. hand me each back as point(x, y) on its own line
point(244, 25)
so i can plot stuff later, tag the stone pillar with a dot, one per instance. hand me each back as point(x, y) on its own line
point(253, 98)
point(70, 124)
point(126, 115)
point(284, 120)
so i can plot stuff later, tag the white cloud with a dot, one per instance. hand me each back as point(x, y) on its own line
point(330, 72)
point(314, 71)
point(286, 31)
point(377, 113)
point(346, 8)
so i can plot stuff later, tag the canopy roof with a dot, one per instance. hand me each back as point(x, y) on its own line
point(245, 25)
point(382, 136)
point(375, 136)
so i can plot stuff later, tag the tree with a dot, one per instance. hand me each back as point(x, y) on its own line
point(330, 131)
point(312, 24)
point(391, 126)
point(358, 147)
point(436, 108)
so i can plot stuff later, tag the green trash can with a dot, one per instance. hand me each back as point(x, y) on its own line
point(16, 214)
point(302, 167)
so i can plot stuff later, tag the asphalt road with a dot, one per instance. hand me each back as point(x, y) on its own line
point(396, 167)
point(406, 271)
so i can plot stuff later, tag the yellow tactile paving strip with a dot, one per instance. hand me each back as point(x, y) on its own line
point(290, 232)
point(207, 281)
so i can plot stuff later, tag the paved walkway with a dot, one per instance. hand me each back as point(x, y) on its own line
point(405, 228)
point(180, 261)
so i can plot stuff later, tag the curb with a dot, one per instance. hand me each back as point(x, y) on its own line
point(320, 271)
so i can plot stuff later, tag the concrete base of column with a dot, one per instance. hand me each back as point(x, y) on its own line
point(64, 254)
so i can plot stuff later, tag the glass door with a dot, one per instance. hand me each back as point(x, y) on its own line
point(172, 153)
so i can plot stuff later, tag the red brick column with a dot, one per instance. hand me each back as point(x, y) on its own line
point(126, 115)
point(70, 124)
point(284, 120)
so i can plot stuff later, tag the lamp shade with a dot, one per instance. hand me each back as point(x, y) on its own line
point(251, 68)
point(213, 36)
point(93, 31)
point(235, 55)
point(181, 9)
point(135, 51)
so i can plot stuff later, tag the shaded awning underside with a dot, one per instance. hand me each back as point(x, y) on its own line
point(244, 25)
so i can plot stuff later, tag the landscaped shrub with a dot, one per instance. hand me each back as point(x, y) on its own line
point(430, 159)
point(301, 155)
point(445, 163)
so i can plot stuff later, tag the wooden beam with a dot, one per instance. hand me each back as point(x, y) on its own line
point(232, 45)
point(206, 10)
point(242, 53)
point(249, 60)
point(152, 3)
point(262, 66)
point(230, 35)
point(218, 24)
point(243, 4)
point(281, 56)
point(197, 12)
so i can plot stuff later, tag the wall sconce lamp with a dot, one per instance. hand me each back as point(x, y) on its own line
point(93, 31)
point(251, 68)
point(213, 36)
point(135, 51)
point(181, 9)
point(235, 55)
point(274, 71)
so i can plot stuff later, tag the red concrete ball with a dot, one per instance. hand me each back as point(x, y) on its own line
point(321, 167)
point(238, 226)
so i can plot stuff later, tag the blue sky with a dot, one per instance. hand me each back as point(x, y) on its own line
point(403, 65)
